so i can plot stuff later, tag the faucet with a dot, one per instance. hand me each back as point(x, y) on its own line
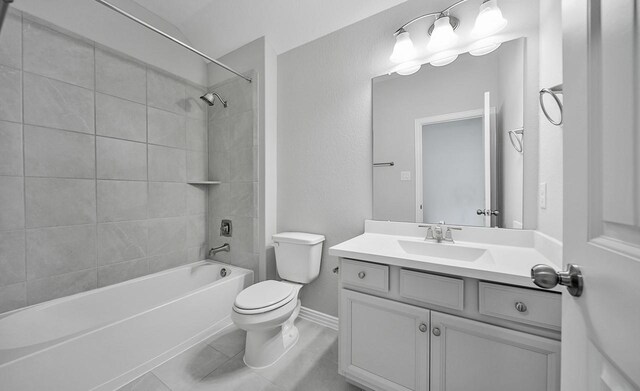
point(436, 233)
point(224, 248)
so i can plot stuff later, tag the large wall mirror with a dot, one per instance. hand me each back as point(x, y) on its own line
point(448, 142)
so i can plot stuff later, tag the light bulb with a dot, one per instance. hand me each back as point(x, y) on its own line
point(443, 58)
point(489, 20)
point(484, 46)
point(442, 35)
point(403, 50)
point(408, 68)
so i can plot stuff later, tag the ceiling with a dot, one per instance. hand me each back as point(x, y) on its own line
point(218, 27)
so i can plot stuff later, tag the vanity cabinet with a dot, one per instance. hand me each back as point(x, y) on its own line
point(402, 338)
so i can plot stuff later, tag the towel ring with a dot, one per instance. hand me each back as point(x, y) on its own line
point(554, 92)
point(515, 140)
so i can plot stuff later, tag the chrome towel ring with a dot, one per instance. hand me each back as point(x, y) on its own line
point(554, 92)
point(515, 140)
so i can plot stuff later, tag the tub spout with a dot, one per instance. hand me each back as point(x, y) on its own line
point(225, 247)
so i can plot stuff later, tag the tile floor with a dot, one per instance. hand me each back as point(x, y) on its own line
point(217, 365)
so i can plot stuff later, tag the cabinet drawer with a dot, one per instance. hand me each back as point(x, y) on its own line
point(365, 274)
point(432, 289)
point(522, 305)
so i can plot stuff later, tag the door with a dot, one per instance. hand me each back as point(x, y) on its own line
point(383, 344)
point(600, 329)
point(469, 355)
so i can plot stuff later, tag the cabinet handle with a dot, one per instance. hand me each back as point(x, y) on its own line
point(423, 327)
point(521, 307)
point(436, 331)
point(361, 275)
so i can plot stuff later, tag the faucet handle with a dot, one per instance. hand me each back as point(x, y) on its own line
point(448, 235)
point(429, 231)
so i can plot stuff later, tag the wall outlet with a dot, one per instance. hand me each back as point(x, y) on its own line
point(542, 195)
point(405, 175)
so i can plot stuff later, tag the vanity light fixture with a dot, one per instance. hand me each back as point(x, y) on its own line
point(403, 50)
point(443, 36)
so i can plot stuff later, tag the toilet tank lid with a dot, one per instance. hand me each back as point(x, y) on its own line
point(298, 238)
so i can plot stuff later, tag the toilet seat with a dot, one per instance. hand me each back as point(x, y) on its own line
point(264, 296)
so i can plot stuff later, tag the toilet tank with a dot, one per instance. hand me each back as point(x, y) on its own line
point(298, 255)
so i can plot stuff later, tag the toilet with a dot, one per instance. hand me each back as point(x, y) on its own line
point(267, 310)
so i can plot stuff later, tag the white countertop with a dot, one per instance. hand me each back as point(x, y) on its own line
point(510, 264)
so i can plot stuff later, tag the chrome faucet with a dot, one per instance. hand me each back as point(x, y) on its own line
point(436, 233)
point(224, 248)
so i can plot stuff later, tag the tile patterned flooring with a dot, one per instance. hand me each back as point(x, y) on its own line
point(311, 365)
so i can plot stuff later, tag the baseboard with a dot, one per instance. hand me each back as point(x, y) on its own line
point(319, 318)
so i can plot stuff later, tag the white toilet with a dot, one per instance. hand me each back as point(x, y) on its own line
point(267, 310)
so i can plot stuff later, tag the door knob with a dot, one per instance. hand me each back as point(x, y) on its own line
point(547, 277)
point(361, 275)
point(436, 331)
point(423, 327)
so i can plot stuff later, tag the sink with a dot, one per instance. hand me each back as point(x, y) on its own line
point(442, 250)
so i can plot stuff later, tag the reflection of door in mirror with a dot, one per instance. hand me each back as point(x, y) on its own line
point(454, 167)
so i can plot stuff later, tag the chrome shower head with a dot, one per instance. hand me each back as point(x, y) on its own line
point(210, 97)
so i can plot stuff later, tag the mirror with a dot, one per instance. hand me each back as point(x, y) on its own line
point(448, 142)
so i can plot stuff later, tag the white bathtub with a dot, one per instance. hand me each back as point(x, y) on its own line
point(104, 338)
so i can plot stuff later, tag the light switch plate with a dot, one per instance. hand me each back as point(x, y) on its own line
point(405, 175)
point(542, 195)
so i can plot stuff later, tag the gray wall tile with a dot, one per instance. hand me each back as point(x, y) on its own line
point(58, 153)
point(122, 241)
point(59, 286)
point(120, 76)
point(196, 230)
point(120, 118)
point(60, 250)
point(196, 200)
point(219, 166)
point(11, 96)
point(167, 235)
point(10, 148)
point(54, 202)
point(11, 40)
point(197, 166)
point(56, 55)
point(241, 199)
point(122, 200)
point(165, 92)
point(13, 297)
point(196, 135)
point(241, 165)
point(55, 104)
point(167, 164)
point(167, 199)
point(11, 203)
point(166, 128)
point(12, 259)
point(120, 159)
point(119, 272)
point(220, 199)
point(167, 261)
point(241, 130)
point(195, 254)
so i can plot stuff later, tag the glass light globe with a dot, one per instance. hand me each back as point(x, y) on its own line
point(403, 50)
point(442, 35)
point(408, 68)
point(489, 20)
point(443, 58)
point(484, 46)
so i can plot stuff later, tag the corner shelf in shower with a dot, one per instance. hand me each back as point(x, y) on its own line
point(204, 183)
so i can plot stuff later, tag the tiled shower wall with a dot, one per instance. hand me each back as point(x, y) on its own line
point(95, 153)
point(233, 160)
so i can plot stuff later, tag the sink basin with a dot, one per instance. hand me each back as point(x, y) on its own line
point(442, 250)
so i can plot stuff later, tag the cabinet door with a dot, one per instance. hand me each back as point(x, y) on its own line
point(384, 345)
point(470, 355)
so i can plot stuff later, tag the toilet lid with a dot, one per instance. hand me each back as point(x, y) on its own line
point(264, 294)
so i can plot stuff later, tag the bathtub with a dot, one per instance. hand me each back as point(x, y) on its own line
point(104, 338)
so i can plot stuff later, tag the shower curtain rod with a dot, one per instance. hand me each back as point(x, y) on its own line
point(184, 45)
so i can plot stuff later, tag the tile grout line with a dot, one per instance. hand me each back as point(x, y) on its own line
point(24, 178)
point(95, 152)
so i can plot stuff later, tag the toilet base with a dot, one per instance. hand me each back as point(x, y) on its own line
point(265, 347)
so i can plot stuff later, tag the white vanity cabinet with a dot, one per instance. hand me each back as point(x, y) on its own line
point(404, 339)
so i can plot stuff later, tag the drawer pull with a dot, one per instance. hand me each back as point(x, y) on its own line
point(436, 331)
point(521, 307)
point(361, 275)
point(423, 327)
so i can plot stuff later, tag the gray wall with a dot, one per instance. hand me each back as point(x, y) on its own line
point(95, 153)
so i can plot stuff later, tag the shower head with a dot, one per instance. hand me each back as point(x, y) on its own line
point(210, 97)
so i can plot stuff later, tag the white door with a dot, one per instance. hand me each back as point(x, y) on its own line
point(469, 355)
point(601, 328)
point(384, 344)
